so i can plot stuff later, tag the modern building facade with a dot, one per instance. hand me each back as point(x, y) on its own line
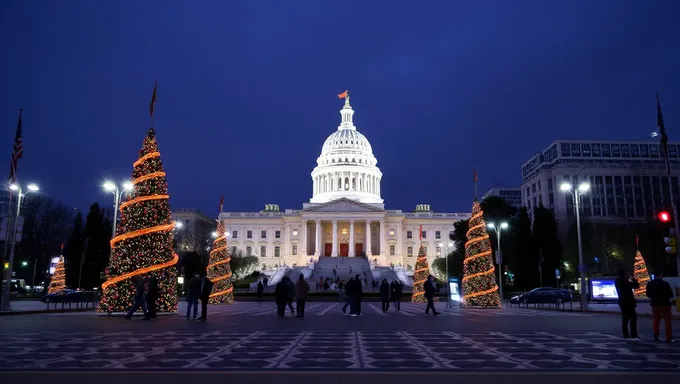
point(512, 196)
point(193, 231)
point(627, 178)
point(345, 216)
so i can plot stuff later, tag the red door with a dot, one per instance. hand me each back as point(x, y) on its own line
point(344, 249)
point(328, 248)
point(358, 249)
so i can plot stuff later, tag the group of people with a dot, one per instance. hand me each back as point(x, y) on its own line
point(660, 295)
point(146, 294)
point(286, 291)
point(390, 292)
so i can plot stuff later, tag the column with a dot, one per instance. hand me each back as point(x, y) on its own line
point(302, 244)
point(382, 238)
point(334, 251)
point(368, 239)
point(351, 239)
point(317, 247)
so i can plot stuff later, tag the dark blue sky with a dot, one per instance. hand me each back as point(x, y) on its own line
point(247, 90)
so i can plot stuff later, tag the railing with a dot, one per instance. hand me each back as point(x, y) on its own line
point(79, 301)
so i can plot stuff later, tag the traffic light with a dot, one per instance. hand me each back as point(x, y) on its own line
point(671, 242)
point(664, 217)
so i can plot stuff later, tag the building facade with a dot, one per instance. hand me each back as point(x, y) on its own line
point(627, 178)
point(512, 196)
point(345, 216)
point(193, 232)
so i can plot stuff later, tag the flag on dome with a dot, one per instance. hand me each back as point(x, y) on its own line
point(342, 95)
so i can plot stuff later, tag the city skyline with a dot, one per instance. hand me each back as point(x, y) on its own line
point(243, 107)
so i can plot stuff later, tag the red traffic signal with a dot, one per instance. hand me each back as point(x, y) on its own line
point(664, 216)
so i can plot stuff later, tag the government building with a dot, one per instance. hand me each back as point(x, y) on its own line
point(345, 217)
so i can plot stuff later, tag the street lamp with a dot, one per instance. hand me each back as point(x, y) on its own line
point(110, 186)
point(499, 255)
point(12, 235)
point(215, 234)
point(576, 194)
point(448, 291)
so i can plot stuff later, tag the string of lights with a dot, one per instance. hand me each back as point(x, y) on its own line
point(640, 274)
point(219, 271)
point(479, 282)
point(58, 281)
point(422, 271)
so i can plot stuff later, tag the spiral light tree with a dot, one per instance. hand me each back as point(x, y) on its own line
point(421, 273)
point(479, 280)
point(219, 271)
point(58, 281)
point(142, 246)
point(640, 274)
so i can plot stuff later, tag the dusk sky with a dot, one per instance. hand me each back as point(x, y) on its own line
point(247, 91)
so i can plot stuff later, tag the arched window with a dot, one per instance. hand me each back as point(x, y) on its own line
point(339, 184)
point(354, 184)
point(346, 183)
point(361, 184)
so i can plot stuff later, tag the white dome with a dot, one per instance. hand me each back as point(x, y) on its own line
point(346, 167)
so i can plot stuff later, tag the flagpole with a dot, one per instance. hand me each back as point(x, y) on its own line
point(664, 150)
point(153, 103)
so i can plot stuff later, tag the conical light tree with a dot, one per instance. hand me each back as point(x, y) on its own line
point(640, 274)
point(142, 246)
point(219, 271)
point(479, 280)
point(58, 281)
point(420, 276)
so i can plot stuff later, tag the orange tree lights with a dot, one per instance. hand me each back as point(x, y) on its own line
point(479, 280)
point(143, 242)
point(640, 274)
point(420, 276)
point(58, 282)
point(219, 271)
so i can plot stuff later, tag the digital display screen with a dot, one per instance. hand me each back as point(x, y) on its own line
point(454, 293)
point(604, 289)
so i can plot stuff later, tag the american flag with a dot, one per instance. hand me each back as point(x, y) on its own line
point(17, 152)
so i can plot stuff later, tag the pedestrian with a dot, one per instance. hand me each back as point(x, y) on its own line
point(396, 289)
point(301, 289)
point(260, 291)
point(660, 294)
point(290, 293)
point(430, 291)
point(357, 292)
point(385, 295)
point(265, 282)
point(624, 290)
point(281, 297)
point(349, 292)
point(335, 272)
point(139, 300)
point(206, 290)
point(152, 296)
point(193, 293)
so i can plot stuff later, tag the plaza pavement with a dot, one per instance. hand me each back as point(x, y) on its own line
point(245, 342)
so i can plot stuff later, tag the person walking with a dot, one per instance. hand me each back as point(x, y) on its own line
point(357, 292)
point(139, 300)
point(193, 293)
point(290, 293)
point(385, 295)
point(260, 291)
point(206, 290)
point(265, 282)
point(430, 291)
point(396, 289)
point(281, 297)
point(301, 289)
point(660, 294)
point(152, 296)
point(624, 290)
point(348, 296)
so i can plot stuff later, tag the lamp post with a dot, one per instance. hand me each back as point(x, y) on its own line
point(110, 186)
point(448, 286)
point(576, 194)
point(499, 255)
point(12, 236)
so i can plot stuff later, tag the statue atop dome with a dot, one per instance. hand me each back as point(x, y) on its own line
point(345, 95)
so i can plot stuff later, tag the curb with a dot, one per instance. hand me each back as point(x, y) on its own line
point(43, 311)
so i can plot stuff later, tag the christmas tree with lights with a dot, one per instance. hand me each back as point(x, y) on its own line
point(479, 280)
point(421, 273)
point(142, 247)
point(640, 274)
point(219, 271)
point(58, 281)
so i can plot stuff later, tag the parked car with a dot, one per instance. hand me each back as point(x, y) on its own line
point(542, 296)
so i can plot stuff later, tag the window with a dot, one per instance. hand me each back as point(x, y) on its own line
point(533, 188)
point(425, 250)
point(277, 251)
point(294, 250)
point(438, 252)
point(234, 234)
point(249, 234)
point(539, 185)
point(249, 250)
point(424, 234)
point(263, 251)
point(392, 251)
point(409, 234)
point(437, 235)
point(295, 232)
point(277, 234)
point(263, 234)
point(391, 232)
point(409, 251)
point(450, 234)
